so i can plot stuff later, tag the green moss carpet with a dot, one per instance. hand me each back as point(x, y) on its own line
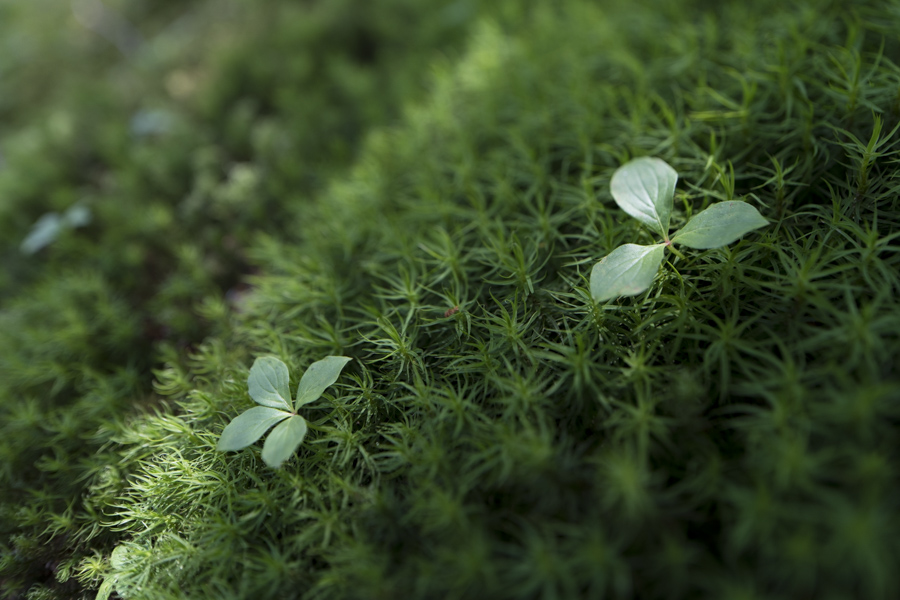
point(424, 187)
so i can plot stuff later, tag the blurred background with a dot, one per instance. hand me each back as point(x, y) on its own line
point(145, 146)
point(171, 119)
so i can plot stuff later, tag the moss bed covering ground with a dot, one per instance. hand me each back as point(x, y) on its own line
point(424, 187)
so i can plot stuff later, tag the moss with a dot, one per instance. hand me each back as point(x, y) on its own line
point(181, 170)
point(731, 433)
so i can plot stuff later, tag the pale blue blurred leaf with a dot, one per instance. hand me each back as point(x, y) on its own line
point(78, 215)
point(43, 233)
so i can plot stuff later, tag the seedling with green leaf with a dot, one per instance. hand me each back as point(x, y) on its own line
point(645, 189)
point(269, 386)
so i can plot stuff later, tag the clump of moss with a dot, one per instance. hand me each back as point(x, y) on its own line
point(731, 433)
point(181, 166)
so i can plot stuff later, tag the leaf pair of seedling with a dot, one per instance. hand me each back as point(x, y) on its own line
point(645, 189)
point(269, 385)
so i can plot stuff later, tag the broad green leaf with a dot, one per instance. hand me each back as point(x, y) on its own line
point(269, 383)
point(719, 225)
point(645, 189)
point(626, 271)
point(249, 427)
point(319, 376)
point(283, 441)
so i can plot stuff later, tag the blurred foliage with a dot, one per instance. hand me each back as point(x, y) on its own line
point(185, 142)
point(306, 179)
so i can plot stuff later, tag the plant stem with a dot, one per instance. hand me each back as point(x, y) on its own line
point(676, 251)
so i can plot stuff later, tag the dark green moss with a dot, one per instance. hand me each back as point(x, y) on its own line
point(732, 433)
point(181, 168)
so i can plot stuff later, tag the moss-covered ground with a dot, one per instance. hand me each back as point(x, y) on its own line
point(424, 187)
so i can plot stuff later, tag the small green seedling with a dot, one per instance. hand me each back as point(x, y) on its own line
point(645, 189)
point(269, 386)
